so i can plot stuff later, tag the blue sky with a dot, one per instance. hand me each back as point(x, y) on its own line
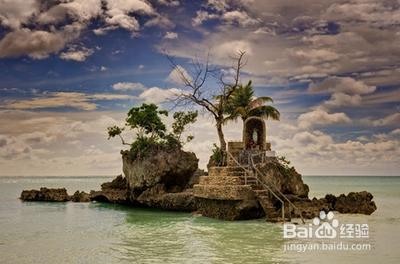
point(69, 69)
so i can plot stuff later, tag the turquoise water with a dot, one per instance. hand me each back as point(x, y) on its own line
point(102, 233)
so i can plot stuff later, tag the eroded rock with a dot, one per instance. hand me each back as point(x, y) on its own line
point(355, 203)
point(80, 197)
point(115, 191)
point(45, 194)
point(174, 169)
point(288, 180)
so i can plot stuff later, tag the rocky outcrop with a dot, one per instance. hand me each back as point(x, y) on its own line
point(162, 180)
point(287, 180)
point(158, 197)
point(80, 197)
point(173, 169)
point(45, 195)
point(115, 191)
point(353, 203)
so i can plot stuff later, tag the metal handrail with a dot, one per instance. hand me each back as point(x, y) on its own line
point(263, 184)
point(276, 188)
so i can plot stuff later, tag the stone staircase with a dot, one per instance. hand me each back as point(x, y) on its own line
point(236, 182)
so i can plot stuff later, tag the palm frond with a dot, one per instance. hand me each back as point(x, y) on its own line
point(265, 111)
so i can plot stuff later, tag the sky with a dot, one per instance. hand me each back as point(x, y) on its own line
point(71, 68)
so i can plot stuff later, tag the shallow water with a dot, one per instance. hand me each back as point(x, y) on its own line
point(103, 233)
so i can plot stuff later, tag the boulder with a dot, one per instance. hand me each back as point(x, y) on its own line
point(46, 195)
point(355, 203)
point(80, 197)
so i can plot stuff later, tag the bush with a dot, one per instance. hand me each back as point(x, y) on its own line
point(217, 156)
point(151, 132)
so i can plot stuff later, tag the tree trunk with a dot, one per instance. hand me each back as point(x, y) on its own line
point(222, 143)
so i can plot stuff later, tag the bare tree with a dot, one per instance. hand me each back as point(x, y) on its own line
point(213, 101)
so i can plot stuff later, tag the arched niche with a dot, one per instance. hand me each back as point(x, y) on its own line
point(254, 133)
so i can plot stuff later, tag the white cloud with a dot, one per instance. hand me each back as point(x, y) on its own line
point(118, 13)
point(341, 84)
point(176, 75)
point(239, 17)
point(80, 10)
point(76, 54)
point(171, 35)
point(202, 16)
point(128, 86)
point(342, 99)
point(157, 95)
point(320, 117)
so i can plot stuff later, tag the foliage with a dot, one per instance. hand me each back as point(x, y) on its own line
point(181, 120)
point(146, 118)
point(243, 104)
point(151, 132)
point(217, 155)
point(114, 131)
point(141, 147)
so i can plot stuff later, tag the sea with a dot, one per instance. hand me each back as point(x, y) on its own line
point(55, 233)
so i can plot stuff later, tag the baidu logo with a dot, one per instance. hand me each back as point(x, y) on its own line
point(325, 229)
point(324, 226)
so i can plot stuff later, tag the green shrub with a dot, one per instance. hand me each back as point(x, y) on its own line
point(217, 155)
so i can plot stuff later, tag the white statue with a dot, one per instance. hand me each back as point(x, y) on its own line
point(255, 136)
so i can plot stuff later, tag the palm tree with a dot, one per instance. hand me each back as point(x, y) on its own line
point(244, 104)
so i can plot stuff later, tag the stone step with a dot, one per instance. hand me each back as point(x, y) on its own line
point(270, 211)
point(222, 180)
point(226, 170)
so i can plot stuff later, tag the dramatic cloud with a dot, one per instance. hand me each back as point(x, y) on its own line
point(36, 44)
point(40, 29)
point(14, 13)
